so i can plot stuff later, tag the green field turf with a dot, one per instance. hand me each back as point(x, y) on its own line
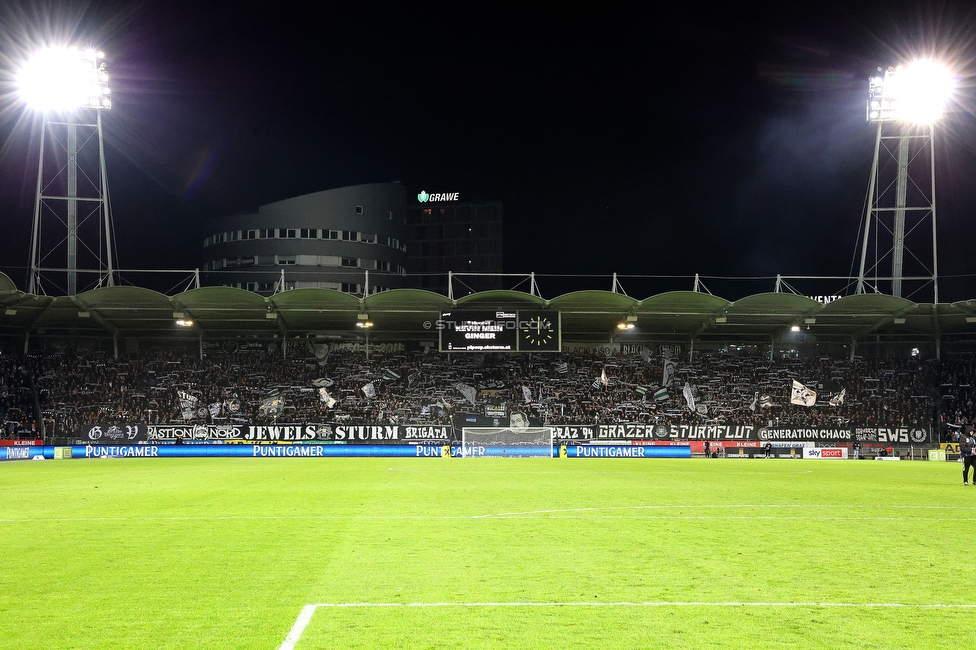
point(489, 553)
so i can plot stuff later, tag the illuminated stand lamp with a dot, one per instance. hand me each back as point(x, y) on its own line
point(66, 85)
point(627, 324)
point(905, 102)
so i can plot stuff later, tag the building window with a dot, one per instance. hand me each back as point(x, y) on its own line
point(349, 235)
point(350, 261)
point(333, 234)
point(359, 209)
point(253, 234)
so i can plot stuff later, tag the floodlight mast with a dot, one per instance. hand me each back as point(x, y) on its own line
point(66, 85)
point(904, 103)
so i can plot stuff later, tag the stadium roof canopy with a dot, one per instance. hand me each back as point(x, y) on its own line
point(586, 316)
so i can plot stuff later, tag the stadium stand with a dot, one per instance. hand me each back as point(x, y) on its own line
point(77, 388)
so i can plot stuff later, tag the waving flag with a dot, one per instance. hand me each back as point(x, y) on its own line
point(802, 396)
point(469, 392)
point(689, 396)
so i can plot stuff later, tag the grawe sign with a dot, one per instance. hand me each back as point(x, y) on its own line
point(438, 197)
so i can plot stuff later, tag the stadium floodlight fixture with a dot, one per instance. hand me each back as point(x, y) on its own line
point(916, 93)
point(184, 322)
point(63, 79)
point(625, 326)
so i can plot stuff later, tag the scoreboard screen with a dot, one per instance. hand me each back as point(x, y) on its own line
point(499, 331)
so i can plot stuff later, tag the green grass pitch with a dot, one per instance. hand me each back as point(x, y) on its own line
point(487, 553)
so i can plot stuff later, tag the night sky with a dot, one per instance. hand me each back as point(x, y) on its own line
point(637, 140)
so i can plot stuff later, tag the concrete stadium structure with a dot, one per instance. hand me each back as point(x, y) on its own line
point(350, 239)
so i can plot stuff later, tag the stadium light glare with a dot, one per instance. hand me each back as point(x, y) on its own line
point(63, 79)
point(916, 93)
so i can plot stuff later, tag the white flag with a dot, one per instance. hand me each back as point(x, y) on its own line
point(188, 405)
point(603, 377)
point(369, 390)
point(689, 397)
point(527, 394)
point(326, 398)
point(802, 395)
point(838, 399)
point(322, 381)
point(469, 392)
point(755, 400)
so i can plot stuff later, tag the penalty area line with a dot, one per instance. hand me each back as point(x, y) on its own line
point(296, 630)
point(305, 617)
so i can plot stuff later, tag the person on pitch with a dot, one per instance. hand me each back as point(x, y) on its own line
point(967, 449)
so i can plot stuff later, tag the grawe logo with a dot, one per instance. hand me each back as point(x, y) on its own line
point(424, 197)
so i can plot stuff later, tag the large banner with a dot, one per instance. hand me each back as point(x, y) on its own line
point(905, 435)
point(913, 434)
point(629, 432)
point(112, 434)
point(335, 433)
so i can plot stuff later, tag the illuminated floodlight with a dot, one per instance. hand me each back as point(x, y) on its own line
point(916, 93)
point(65, 79)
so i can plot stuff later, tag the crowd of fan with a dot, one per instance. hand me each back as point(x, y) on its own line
point(76, 389)
point(958, 392)
point(16, 400)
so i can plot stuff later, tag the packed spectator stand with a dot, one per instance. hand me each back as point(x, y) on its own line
point(75, 388)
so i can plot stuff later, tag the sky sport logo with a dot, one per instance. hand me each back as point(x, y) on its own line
point(424, 197)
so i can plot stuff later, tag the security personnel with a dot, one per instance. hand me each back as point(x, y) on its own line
point(967, 449)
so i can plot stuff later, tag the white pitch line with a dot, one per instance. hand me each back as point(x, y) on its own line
point(298, 628)
point(557, 513)
point(663, 603)
point(306, 614)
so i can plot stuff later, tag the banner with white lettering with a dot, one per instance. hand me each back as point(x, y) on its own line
point(912, 434)
point(300, 432)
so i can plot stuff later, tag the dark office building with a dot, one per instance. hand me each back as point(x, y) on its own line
point(447, 234)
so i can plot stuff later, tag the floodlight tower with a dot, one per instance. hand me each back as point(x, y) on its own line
point(905, 103)
point(69, 87)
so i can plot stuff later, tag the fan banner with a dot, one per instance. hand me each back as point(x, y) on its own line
point(291, 433)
